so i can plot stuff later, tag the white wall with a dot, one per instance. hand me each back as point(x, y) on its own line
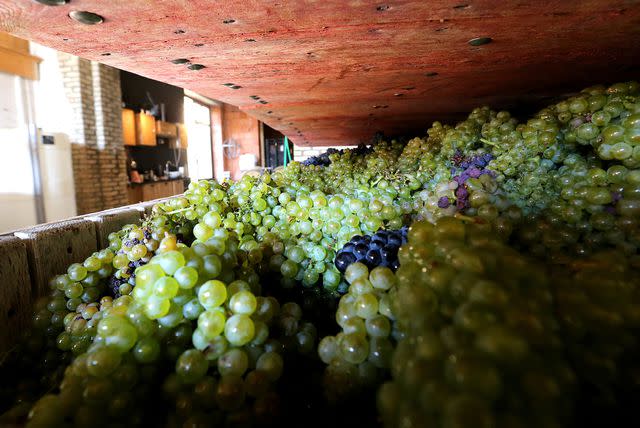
point(17, 202)
point(53, 111)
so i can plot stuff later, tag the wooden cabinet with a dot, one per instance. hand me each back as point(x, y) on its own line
point(128, 127)
point(146, 129)
point(182, 136)
point(15, 57)
point(166, 129)
point(155, 190)
point(178, 187)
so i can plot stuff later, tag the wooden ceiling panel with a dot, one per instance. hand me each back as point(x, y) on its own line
point(336, 71)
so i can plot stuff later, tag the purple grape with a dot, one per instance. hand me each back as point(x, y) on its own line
point(343, 260)
point(394, 241)
point(473, 172)
point(376, 244)
point(373, 258)
point(461, 192)
point(443, 202)
point(360, 250)
point(348, 247)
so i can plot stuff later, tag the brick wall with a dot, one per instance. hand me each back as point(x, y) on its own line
point(99, 158)
point(301, 153)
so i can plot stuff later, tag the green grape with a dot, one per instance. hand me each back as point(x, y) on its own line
point(328, 349)
point(212, 294)
point(186, 276)
point(382, 278)
point(233, 362)
point(202, 231)
point(148, 274)
point(192, 309)
point(191, 366)
point(77, 272)
point(211, 323)
point(230, 393)
point(243, 302)
point(146, 350)
point(166, 287)
point(239, 330)
point(355, 271)
point(169, 261)
point(271, 364)
point(157, 307)
point(102, 361)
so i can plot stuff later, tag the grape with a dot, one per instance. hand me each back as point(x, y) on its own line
point(239, 330)
point(191, 366)
point(243, 302)
point(271, 364)
point(211, 323)
point(212, 294)
point(233, 362)
point(510, 300)
point(166, 288)
point(103, 361)
point(146, 350)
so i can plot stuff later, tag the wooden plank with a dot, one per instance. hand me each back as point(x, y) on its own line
point(112, 221)
point(335, 71)
point(53, 247)
point(135, 194)
point(14, 43)
point(15, 290)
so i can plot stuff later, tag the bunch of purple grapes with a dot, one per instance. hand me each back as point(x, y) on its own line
point(379, 249)
point(463, 169)
point(321, 159)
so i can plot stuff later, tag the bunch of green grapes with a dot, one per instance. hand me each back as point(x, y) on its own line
point(465, 136)
point(598, 307)
point(481, 344)
point(180, 309)
point(360, 354)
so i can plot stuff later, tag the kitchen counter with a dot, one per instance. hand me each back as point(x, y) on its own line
point(185, 179)
point(150, 190)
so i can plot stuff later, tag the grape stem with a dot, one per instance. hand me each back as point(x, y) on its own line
point(6, 354)
point(465, 218)
point(178, 211)
point(491, 143)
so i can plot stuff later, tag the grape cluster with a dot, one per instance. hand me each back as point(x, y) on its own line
point(481, 346)
point(360, 355)
point(514, 302)
point(379, 249)
point(322, 159)
point(464, 169)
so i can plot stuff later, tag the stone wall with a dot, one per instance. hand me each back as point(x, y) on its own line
point(99, 158)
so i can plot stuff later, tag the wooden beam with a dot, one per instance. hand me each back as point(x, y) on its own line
point(16, 59)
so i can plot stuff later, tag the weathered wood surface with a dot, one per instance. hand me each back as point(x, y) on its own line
point(112, 221)
point(335, 71)
point(15, 290)
point(52, 247)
